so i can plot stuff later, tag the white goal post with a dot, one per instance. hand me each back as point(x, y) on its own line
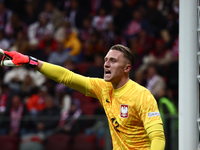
point(188, 72)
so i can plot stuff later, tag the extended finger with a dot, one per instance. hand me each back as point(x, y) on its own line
point(7, 63)
point(2, 52)
point(5, 53)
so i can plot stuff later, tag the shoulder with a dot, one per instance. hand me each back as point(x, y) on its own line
point(100, 84)
point(137, 87)
point(99, 81)
point(139, 90)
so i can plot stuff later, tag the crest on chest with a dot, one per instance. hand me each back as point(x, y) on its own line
point(124, 111)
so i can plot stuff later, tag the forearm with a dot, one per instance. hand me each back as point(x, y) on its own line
point(63, 75)
point(53, 72)
point(157, 137)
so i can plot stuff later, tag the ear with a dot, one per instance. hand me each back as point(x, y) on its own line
point(127, 68)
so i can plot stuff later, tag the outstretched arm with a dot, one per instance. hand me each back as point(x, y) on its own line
point(64, 76)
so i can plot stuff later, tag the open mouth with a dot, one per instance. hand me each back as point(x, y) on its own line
point(107, 72)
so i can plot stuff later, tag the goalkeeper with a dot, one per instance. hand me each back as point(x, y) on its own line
point(133, 116)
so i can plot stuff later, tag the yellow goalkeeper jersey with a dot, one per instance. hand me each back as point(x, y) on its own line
point(130, 109)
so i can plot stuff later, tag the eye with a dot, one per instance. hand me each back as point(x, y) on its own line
point(113, 60)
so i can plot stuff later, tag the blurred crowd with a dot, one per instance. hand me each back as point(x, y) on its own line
point(76, 34)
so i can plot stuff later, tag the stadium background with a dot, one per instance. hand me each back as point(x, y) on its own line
point(76, 34)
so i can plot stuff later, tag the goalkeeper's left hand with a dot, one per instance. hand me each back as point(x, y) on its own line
point(17, 59)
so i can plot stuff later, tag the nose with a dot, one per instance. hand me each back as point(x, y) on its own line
point(106, 64)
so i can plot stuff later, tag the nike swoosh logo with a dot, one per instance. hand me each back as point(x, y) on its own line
point(107, 101)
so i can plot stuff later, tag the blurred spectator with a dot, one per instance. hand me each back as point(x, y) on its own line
point(37, 77)
point(164, 6)
point(164, 34)
point(155, 83)
point(87, 30)
point(101, 20)
point(154, 17)
point(59, 56)
point(34, 51)
point(139, 77)
point(20, 44)
point(59, 34)
point(38, 6)
point(72, 43)
point(97, 69)
point(50, 84)
point(4, 43)
point(137, 49)
point(137, 24)
point(14, 26)
point(36, 102)
point(172, 26)
point(48, 118)
point(54, 15)
point(98, 126)
point(27, 86)
point(95, 44)
point(14, 77)
point(122, 15)
point(160, 56)
point(69, 122)
point(146, 42)
point(37, 29)
point(15, 113)
point(65, 5)
point(62, 97)
point(48, 43)
point(5, 15)
point(95, 5)
point(29, 17)
point(109, 35)
point(75, 13)
point(141, 45)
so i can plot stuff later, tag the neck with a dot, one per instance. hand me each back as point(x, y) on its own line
point(122, 82)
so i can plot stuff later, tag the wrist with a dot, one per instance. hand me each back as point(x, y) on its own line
point(33, 62)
